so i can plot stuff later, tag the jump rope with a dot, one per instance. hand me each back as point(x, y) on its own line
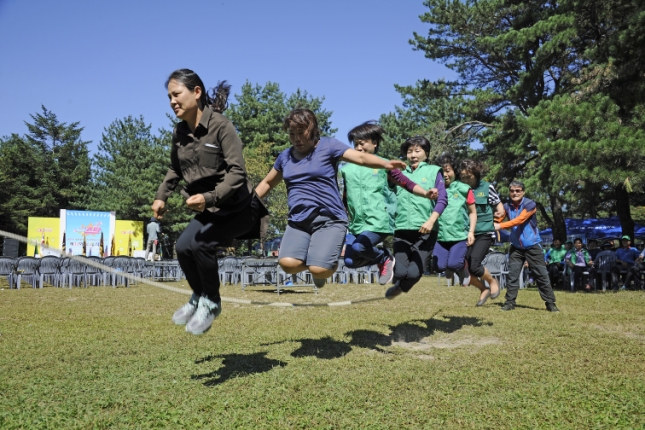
point(189, 292)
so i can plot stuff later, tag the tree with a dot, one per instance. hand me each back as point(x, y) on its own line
point(258, 164)
point(259, 113)
point(65, 155)
point(25, 177)
point(430, 110)
point(513, 56)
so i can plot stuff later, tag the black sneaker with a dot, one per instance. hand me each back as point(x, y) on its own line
point(551, 307)
point(393, 291)
point(508, 307)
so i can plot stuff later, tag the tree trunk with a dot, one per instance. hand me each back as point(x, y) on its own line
point(624, 212)
point(559, 226)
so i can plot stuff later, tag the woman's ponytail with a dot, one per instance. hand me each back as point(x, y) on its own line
point(218, 99)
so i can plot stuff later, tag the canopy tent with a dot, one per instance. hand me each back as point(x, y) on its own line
point(593, 228)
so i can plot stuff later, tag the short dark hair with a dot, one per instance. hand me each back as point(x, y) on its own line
point(416, 140)
point(369, 130)
point(473, 167)
point(516, 183)
point(304, 121)
point(217, 100)
point(577, 239)
point(448, 159)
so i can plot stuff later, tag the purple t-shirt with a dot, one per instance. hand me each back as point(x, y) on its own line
point(311, 182)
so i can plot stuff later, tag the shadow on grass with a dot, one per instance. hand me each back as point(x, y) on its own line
point(236, 365)
point(411, 331)
point(500, 304)
point(325, 348)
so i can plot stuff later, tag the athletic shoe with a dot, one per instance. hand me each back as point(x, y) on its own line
point(551, 307)
point(206, 312)
point(509, 306)
point(183, 314)
point(393, 291)
point(320, 282)
point(482, 301)
point(386, 270)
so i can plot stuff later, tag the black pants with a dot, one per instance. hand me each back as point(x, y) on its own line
point(197, 245)
point(578, 275)
point(633, 274)
point(411, 257)
point(555, 273)
point(476, 253)
point(535, 258)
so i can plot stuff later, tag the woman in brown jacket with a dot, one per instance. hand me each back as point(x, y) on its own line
point(207, 154)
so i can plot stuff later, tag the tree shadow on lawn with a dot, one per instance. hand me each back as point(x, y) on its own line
point(236, 365)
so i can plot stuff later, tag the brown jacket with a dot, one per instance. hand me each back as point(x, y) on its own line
point(210, 160)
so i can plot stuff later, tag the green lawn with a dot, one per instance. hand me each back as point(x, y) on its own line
point(103, 357)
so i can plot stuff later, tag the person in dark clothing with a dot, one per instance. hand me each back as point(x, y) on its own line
point(206, 153)
point(525, 247)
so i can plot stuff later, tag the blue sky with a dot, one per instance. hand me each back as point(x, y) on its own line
point(95, 62)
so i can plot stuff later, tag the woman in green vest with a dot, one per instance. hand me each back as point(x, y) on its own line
point(457, 223)
point(489, 207)
point(370, 199)
point(415, 232)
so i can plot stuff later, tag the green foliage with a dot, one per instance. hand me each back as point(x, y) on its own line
point(258, 161)
point(65, 153)
point(431, 110)
point(259, 113)
point(26, 187)
point(560, 89)
point(42, 172)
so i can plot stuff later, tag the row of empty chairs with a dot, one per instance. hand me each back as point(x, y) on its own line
point(70, 272)
point(266, 271)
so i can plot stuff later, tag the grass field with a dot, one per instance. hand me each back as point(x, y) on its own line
point(111, 358)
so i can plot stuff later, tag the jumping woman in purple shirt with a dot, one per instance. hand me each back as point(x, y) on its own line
point(317, 219)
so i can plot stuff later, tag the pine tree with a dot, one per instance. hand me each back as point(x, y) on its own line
point(259, 112)
point(66, 157)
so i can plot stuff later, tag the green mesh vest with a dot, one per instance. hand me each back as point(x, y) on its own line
point(484, 210)
point(370, 202)
point(412, 211)
point(454, 221)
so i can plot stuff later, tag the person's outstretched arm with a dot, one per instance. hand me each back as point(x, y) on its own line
point(268, 183)
point(369, 160)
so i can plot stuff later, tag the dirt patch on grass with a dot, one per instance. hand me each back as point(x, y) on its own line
point(428, 343)
point(619, 331)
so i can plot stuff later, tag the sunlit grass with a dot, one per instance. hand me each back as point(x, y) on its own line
point(103, 357)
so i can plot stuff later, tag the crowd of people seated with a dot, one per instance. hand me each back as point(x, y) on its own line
point(580, 263)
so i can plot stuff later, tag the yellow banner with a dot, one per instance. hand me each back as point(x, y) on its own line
point(47, 232)
point(128, 237)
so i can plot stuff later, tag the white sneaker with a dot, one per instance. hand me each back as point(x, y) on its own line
point(183, 314)
point(202, 319)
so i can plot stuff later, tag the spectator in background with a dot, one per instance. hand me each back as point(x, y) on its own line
point(592, 247)
point(626, 257)
point(525, 247)
point(607, 250)
point(568, 246)
point(637, 270)
point(579, 261)
point(153, 229)
point(555, 261)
